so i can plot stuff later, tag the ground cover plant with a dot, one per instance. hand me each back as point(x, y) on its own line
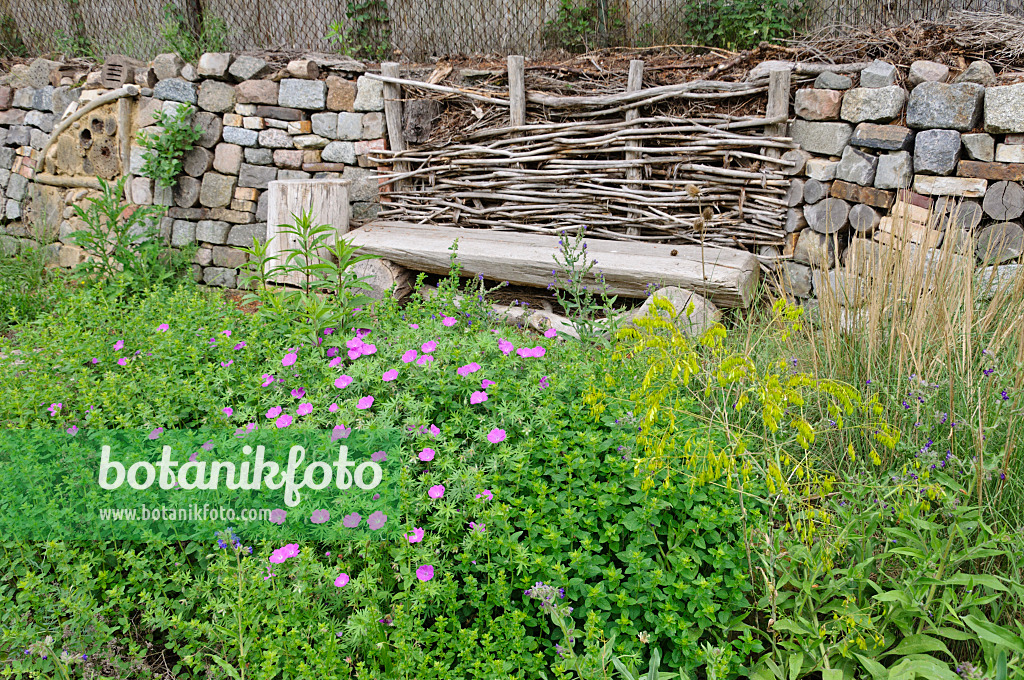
point(648, 505)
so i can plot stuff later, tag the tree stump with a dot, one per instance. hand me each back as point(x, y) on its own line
point(384, 276)
point(1004, 201)
point(326, 199)
point(962, 216)
point(795, 193)
point(1000, 242)
point(864, 218)
point(828, 216)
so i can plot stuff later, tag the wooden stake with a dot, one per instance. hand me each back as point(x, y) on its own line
point(633, 170)
point(393, 113)
point(517, 90)
point(778, 105)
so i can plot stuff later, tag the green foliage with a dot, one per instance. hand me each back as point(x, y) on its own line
point(179, 36)
point(367, 34)
point(590, 311)
point(11, 43)
point(28, 288)
point(583, 25)
point(897, 577)
point(329, 294)
point(75, 46)
point(124, 244)
point(166, 148)
point(675, 502)
point(741, 24)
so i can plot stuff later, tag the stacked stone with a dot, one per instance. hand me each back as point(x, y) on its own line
point(257, 129)
point(937, 145)
point(259, 124)
point(31, 101)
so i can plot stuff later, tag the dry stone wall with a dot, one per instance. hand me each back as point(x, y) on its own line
point(310, 119)
point(894, 158)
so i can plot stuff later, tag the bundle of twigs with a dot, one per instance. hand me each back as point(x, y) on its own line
point(995, 36)
point(999, 34)
point(711, 179)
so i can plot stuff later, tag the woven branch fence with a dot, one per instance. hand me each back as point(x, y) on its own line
point(652, 164)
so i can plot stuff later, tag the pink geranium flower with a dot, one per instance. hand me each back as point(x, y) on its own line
point(390, 375)
point(341, 581)
point(428, 347)
point(424, 360)
point(409, 356)
point(273, 412)
point(228, 411)
point(477, 397)
point(304, 409)
point(343, 382)
point(289, 359)
point(415, 536)
point(332, 408)
point(427, 455)
point(468, 369)
point(299, 392)
point(283, 422)
point(487, 383)
point(425, 573)
point(550, 333)
point(163, 328)
point(364, 403)
point(496, 436)
point(122, 361)
point(118, 345)
point(320, 516)
point(436, 491)
point(267, 380)
point(505, 346)
point(448, 321)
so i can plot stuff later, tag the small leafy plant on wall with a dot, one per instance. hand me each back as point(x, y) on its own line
point(166, 149)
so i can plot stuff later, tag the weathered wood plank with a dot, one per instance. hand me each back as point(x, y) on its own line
point(778, 105)
point(393, 114)
point(326, 199)
point(634, 81)
point(728, 277)
point(516, 90)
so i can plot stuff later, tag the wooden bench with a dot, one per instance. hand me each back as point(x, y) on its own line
point(728, 277)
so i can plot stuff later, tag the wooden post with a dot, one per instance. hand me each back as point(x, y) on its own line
point(778, 106)
point(393, 114)
point(516, 90)
point(124, 139)
point(326, 199)
point(633, 172)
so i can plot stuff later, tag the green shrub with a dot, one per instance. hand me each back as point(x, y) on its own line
point(179, 36)
point(126, 252)
point(741, 24)
point(327, 294)
point(28, 288)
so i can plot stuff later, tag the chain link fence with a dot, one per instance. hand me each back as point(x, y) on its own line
point(415, 30)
